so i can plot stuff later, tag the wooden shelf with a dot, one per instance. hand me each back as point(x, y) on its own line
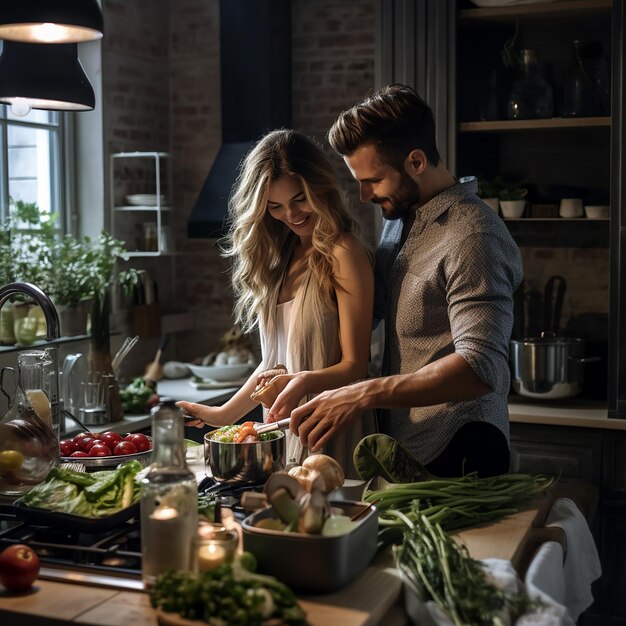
point(553, 123)
point(569, 8)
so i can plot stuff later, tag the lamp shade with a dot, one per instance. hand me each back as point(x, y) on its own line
point(41, 76)
point(50, 21)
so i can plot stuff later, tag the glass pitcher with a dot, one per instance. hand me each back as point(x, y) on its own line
point(29, 446)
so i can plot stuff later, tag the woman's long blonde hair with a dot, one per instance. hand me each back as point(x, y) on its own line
point(260, 245)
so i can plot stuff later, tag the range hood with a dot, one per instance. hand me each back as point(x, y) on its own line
point(255, 48)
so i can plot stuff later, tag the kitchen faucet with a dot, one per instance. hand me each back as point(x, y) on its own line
point(53, 331)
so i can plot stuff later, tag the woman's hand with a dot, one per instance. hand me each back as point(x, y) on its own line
point(293, 389)
point(202, 415)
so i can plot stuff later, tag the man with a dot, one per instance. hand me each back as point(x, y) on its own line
point(447, 268)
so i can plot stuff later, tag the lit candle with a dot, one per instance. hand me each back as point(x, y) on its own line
point(214, 545)
point(211, 555)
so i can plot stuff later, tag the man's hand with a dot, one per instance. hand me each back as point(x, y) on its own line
point(317, 421)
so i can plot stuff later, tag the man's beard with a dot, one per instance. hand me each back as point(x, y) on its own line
point(400, 203)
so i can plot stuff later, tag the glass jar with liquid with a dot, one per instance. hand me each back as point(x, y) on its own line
point(169, 498)
point(29, 446)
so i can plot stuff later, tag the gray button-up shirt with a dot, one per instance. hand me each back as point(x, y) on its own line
point(448, 289)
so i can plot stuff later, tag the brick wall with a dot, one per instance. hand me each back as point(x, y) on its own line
point(333, 65)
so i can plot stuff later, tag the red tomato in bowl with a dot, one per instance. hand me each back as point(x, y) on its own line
point(140, 441)
point(124, 447)
point(110, 439)
point(79, 453)
point(76, 439)
point(19, 567)
point(66, 447)
point(99, 449)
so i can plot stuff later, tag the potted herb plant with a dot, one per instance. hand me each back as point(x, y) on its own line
point(513, 200)
point(489, 191)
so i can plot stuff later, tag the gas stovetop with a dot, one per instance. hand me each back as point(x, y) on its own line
point(106, 559)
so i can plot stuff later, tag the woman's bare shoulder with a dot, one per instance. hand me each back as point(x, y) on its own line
point(351, 245)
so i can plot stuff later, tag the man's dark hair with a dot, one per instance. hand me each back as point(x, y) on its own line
point(394, 119)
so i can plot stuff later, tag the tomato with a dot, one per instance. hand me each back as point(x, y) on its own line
point(66, 447)
point(140, 441)
point(19, 566)
point(80, 436)
point(124, 447)
point(110, 439)
point(99, 449)
point(79, 453)
point(86, 443)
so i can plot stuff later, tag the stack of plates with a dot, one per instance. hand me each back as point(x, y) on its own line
point(144, 199)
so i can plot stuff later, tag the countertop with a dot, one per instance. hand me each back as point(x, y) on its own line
point(572, 412)
point(373, 598)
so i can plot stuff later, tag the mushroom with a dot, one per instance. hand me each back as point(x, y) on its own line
point(314, 512)
point(329, 468)
point(310, 479)
point(285, 494)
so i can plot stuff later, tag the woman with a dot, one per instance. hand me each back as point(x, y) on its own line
point(301, 274)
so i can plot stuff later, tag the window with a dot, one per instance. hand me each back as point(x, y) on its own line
point(31, 160)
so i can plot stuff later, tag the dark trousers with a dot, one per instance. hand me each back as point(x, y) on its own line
point(475, 447)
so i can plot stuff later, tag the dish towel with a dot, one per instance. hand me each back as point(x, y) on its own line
point(545, 574)
point(582, 563)
point(502, 574)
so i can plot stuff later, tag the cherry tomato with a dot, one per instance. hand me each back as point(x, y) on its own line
point(99, 449)
point(79, 453)
point(140, 441)
point(66, 447)
point(124, 447)
point(110, 439)
point(80, 436)
point(19, 566)
point(86, 443)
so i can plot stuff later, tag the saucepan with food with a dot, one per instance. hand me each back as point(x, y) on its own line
point(247, 453)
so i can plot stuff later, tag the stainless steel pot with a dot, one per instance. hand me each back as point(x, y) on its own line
point(244, 463)
point(548, 367)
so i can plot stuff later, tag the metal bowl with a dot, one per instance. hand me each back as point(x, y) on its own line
point(244, 463)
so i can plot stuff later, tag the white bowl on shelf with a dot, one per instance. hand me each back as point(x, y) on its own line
point(144, 199)
point(597, 211)
point(220, 373)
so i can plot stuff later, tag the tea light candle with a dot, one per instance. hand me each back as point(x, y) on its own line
point(214, 545)
point(210, 556)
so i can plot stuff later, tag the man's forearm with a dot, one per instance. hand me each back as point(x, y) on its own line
point(449, 379)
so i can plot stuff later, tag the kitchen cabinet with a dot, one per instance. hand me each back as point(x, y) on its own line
point(595, 455)
point(451, 52)
point(140, 191)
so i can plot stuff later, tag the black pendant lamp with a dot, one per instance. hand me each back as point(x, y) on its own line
point(50, 21)
point(40, 76)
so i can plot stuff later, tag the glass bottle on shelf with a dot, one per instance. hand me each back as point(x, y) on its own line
point(586, 85)
point(29, 446)
point(169, 498)
point(531, 95)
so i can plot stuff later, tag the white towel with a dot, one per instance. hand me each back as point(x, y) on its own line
point(582, 563)
point(502, 574)
point(545, 574)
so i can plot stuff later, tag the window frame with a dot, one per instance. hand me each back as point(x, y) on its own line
point(61, 187)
